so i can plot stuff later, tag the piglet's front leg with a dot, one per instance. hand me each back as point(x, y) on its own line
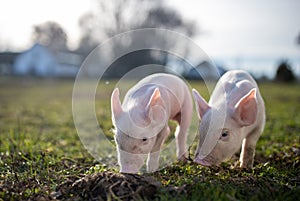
point(247, 155)
point(153, 157)
point(248, 150)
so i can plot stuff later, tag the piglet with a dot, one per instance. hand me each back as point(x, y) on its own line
point(141, 122)
point(233, 119)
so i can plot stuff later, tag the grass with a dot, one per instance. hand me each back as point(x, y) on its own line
point(40, 148)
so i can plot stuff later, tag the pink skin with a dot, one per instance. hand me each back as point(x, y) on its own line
point(234, 118)
point(144, 114)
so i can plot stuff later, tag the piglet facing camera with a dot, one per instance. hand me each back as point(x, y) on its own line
point(141, 122)
point(233, 119)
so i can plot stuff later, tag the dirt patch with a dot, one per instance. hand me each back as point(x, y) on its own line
point(108, 185)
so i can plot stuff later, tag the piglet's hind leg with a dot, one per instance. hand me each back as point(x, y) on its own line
point(184, 120)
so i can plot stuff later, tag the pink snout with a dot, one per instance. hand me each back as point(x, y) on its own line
point(202, 162)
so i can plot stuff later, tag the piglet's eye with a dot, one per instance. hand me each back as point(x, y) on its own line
point(144, 139)
point(224, 134)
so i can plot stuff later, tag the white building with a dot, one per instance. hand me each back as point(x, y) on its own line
point(39, 60)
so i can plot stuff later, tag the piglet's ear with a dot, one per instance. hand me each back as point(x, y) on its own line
point(246, 109)
point(155, 110)
point(201, 105)
point(116, 107)
point(154, 100)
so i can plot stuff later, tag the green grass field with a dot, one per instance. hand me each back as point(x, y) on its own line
point(40, 149)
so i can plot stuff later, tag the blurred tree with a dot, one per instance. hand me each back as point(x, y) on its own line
point(88, 41)
point(50, 34)
point(284, 72)
point(298, 39)
point(167, 17)
point(114, 17)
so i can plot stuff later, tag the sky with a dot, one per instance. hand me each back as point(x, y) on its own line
point(17, 17)
point(233, 31)
point(251, 27)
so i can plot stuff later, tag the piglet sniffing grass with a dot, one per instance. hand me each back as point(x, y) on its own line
point(234, 118)
point(141, 122)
